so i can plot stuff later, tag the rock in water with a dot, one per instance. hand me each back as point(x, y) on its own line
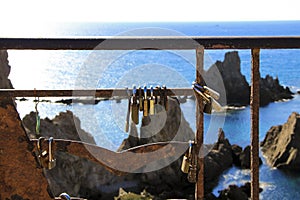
point(237, 89)
point(271, 90)
point(236, 86)
point(281, 145)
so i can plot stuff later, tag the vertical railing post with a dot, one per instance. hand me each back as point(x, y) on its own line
point(199, 188)
point(254, 104)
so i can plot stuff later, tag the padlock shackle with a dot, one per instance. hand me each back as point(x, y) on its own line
point(145, 92)
point(39, 144)
point(50, 149)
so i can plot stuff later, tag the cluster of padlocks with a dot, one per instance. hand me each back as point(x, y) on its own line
point(46, 153)
point(189, 163)
point(209, 97)
point(142, 101)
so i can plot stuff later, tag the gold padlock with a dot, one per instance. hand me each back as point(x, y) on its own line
point(134, 107)
point(152, 102)
point(185, 165)
point(145, 102)
point(141, 99)
point(52, 160)
point(42, 154)
point(165, 97)
point(186, 162)
point(157, 105)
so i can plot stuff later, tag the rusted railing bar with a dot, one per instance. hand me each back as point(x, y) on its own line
point(160, 42)
point(199, 190)
point(105, 93)
point(254, 104)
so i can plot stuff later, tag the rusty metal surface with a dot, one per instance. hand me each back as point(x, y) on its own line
point(19, 175)
point(105, 93)
point(152, 43)
point(129, 160)
point(254, 104)
point(199, 189)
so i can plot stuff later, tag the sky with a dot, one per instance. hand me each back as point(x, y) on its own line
point(31, 11)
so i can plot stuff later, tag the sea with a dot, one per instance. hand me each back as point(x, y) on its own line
point(74, 69)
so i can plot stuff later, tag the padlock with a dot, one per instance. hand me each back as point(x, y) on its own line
point(185, 165)
point(52, 160)
point(205, 97)
point(208, 105)
point(128, 111)
point(141, 104)
point(165, 97)
point(42, 154)
point(214, 94)
point(162, 96)
point(186, 161)
point(157, 105)
point(46, 157)
point(152, 102)
point(134, 107)
point(192, 174)
point(145, 102)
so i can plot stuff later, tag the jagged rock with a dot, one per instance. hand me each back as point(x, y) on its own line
point(4, 73)
point(123, 195)
point(271, 90)
point(236, 152)
point(282, 144)
point(216, 161)
point(245, 162)
point(4, 70)
point(63, 126)
point(234, 192)
point(237, 88)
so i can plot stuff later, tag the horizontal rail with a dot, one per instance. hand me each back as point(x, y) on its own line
point(105, 93)
point(152, 43)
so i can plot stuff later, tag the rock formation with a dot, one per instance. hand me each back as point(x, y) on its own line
point(237, 88)
point(271, 90)
point(281, 145)
point(4, 70)
point(63, 126)
point(216, 162)
point(241, 158)
point(4, 73)
point(234, 192)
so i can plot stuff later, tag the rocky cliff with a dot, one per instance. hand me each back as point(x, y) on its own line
point(281, 146)
point(237, 88)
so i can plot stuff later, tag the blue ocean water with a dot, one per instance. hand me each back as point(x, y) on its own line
point(118, 69)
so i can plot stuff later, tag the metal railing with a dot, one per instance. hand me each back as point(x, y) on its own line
point(160, 43)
